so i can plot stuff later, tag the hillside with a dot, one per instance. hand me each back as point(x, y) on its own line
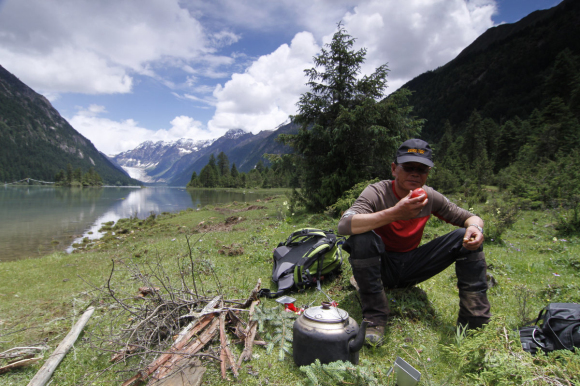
point(506, 72)
point(36, 142)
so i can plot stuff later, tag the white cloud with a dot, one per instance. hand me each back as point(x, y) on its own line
point(107, 46)
point(98, 46)
point(416, 35)
point(113, 137)
point(262, 97)
point(412, 37)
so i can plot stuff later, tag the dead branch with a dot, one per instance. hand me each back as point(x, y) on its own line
point(250, 335)
point(17, 364)
point(253, 295)
point(163, 327)
point(226, 354)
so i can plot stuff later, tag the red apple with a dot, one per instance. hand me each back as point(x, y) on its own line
point(418, 193)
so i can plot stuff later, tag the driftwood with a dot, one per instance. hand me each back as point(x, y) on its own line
point(43, 375)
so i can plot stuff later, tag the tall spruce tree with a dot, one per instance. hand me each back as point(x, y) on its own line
point(223, 164)
point(346, 135)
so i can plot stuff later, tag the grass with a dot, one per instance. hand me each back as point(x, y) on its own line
point(40, 299)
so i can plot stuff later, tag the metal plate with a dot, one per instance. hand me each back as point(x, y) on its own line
point(285, 300)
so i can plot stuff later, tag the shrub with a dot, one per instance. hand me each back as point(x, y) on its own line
point(568, 221)
point(349, 197)
point(498, 219)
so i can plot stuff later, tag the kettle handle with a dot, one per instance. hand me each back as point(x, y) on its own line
point(357, 342)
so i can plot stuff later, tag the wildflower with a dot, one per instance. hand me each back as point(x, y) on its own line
point(555, 274)
point(285, 203)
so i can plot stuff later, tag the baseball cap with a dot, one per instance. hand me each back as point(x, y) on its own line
point(415, 150)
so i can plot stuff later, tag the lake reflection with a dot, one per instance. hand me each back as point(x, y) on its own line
point(37, 220)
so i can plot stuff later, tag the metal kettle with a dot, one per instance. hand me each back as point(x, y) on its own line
point(326, 333)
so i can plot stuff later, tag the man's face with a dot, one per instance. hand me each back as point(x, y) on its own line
point(409, 175)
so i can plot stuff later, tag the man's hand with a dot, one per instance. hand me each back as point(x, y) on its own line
point(408, 208)
point(473, 238)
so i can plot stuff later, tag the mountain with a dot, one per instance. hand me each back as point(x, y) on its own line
point(508, 71)
point(173, 163)
point(36, 142)
point(150, 160)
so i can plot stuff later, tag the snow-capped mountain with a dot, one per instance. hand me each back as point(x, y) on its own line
point(172, 163)
point(151, 159)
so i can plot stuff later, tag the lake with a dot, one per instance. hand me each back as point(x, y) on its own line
point(37, 220)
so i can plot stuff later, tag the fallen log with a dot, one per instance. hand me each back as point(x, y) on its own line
point(45, 373)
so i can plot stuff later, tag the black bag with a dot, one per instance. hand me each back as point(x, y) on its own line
point(559, 329)
point(532, 339)
point(561, 325)
point(304, 259)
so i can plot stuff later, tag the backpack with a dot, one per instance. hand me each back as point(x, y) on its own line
point(304, 259)
point(559, 330)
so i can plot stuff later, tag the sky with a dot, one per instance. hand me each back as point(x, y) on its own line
point(122, 72)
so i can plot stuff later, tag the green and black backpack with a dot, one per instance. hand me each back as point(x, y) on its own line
point(304, 259)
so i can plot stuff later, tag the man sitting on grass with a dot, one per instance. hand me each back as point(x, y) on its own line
point(386, 225)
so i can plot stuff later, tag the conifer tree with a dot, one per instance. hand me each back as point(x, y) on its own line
point(234, 172)
point(223, 164)
point(477, 165)
point(346, 135)
point(208, 177)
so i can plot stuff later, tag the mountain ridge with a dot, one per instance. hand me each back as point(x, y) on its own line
point(37, 142)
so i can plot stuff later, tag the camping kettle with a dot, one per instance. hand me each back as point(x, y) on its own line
point(326, 333)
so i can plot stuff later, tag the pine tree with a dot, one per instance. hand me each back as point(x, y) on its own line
point(478, 167)
point(345, 135)
point(208, 177)
point(223, 165)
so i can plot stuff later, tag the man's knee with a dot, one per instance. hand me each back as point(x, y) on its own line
point(364, 246)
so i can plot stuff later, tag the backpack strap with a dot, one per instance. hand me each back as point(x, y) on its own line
point(266, 293)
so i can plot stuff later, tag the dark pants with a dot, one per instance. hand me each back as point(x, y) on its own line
point(374, 269)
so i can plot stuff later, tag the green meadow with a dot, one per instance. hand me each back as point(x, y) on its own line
point(532, 261)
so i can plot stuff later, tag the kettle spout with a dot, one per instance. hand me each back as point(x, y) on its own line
point(358, 341)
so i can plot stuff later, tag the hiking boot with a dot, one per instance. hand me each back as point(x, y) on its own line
point(374, 335)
